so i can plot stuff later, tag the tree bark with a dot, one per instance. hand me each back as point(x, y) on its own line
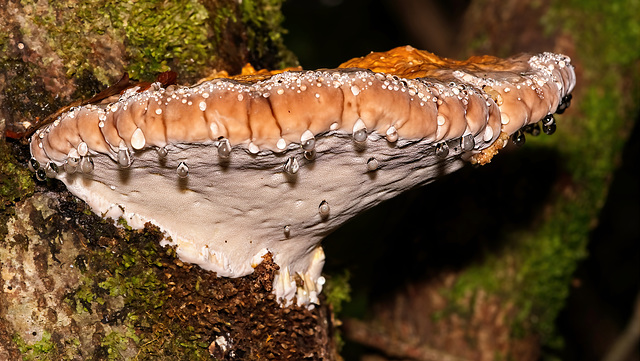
point(77, 287)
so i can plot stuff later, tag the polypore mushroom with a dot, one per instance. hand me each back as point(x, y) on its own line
point(233, 168)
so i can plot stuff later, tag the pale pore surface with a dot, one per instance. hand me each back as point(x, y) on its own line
point(232, 170)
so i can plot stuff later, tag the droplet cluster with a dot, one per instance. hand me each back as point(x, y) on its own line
point(290, 110)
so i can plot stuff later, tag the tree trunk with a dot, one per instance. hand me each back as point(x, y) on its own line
point(77, 287)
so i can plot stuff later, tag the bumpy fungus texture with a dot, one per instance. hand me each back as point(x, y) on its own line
point(235, 167)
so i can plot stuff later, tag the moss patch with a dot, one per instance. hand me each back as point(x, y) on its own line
point(263, 21)
point(16, 183)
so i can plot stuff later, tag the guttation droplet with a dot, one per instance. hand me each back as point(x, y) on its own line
point(549, 125)
point(41, 175)
point(323, 209)
point(392, 134)
point(533, 129)
point(359, 131)
point(51, 170)
point(183, 170)
point(86, 165)
point(224, 148)
point(442, 150)
point(372, 164)
point(124, 157)
point(310, 155)
point(162, 152)
point(34, 165)
point(308, 141)
point(467, 143)
point(518, 138)
point(291, 166)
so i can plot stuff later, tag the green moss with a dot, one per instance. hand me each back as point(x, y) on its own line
point(337, 291)
point(40, 350)
point(153, 35)
point(163, 33)
point(16, 182)
point(263, 21)
point(114, 344)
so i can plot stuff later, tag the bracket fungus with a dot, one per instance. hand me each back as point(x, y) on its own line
point(235, 167)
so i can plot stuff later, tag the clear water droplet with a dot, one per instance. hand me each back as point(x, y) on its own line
point(324, 209)
point(392, 134)
point(310, 155)
point(86, 165)
point(183, 170)
point(51, 170)
point(442, 150)
point(34, 165)
point(224, 148)
point(564, 104)
point(534, 129)
point(467, 143)
point(359, 131)
point(372, 164)
point(83, 149)
point(518, 138)
point(70, 168)
point(548, 119)
point(41, 175)
point(549, 129)
point(291, 166)
point(307, 140)
point(124, 157)
point(162, 152)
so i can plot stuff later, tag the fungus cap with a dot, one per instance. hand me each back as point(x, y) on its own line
point(233, 168)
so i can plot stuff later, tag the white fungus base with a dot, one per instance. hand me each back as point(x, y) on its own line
point(226, 214)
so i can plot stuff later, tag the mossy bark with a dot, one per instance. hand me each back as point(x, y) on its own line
point(76, 287)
